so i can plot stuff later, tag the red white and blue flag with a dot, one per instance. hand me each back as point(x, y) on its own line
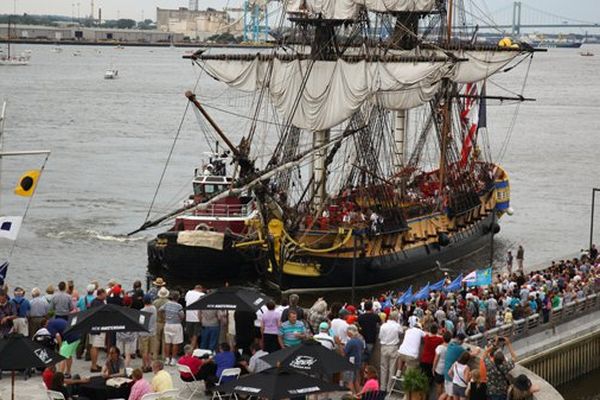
point(473, 117)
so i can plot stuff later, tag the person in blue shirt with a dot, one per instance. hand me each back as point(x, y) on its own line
point(353, 351)
point(455, 349)
point(85, 301)
point(22, 306)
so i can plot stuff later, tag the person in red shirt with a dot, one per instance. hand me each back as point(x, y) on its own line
point(430, 342)
point(47, 376)
point(190, 361)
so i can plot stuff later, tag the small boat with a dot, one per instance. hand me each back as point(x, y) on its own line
point(111, 74)
point(120, 47)
point(586, 54)
point(77, 53)
point(57, 49)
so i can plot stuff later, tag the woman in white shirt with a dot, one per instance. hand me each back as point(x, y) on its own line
point(461, 375)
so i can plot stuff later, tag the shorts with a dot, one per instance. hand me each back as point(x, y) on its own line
point(437, 378)
point(459, 391)
point(173, 333)
point(98, 340)
point(147, 344)
point(68, 349)
point(348, 376)
point(20, 325)
point(127, 347)
point(193, 328)
point(411, 362)
point(448, 387)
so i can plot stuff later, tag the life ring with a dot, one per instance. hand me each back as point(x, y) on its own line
point(202, 227)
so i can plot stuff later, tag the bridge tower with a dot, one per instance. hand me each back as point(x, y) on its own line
point(256, 20)
point(516, 22)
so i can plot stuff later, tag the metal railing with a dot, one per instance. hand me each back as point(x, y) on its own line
point(227, 210)
point(535, 323)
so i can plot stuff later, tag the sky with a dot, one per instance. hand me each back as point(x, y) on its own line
point(588, 10)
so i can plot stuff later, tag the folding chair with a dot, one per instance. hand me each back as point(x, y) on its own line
point(54, 395)
point(192, 386)
point(229, 372)
point(374, 395)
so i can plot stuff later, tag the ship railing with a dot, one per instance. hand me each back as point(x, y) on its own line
point(539, 322)
point(228, 210)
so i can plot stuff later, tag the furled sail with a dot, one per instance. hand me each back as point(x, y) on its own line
point(348, 9)
point(479, 65)
point(319, 95)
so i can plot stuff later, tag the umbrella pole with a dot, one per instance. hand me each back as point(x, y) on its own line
point(13, 385)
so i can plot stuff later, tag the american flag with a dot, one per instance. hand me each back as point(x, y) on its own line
point(472, 117)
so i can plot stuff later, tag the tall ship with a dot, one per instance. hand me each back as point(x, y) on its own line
point(364, 158)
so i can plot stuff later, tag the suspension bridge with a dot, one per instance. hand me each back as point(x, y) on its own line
point(520, 16)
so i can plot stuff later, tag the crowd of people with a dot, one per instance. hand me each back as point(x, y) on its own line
point(380, 336)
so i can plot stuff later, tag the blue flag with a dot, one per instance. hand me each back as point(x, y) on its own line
point(423, 293)
point(455, 284)
point(438, 286)
point(3, 272)
point(484, 277)
point(406, 298)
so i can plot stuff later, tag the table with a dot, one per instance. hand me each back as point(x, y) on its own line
point(96, 389)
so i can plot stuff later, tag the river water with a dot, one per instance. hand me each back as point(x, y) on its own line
point(110, 140)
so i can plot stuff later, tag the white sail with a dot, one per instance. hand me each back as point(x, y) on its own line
point(480, 65)
point(319, 95)
point(348, 9)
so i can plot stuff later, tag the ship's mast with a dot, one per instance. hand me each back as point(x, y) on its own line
point(446, 114)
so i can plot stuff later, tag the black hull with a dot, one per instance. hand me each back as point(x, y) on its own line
point(199, 264)
point(380, 270)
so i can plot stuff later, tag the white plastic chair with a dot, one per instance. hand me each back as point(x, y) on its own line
point(192, 386)
point(165, 394)
point(229, 372)
point(54, 395)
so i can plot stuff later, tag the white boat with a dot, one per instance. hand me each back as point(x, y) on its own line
point(77, 53)
point(57, 49)
point(111, 73)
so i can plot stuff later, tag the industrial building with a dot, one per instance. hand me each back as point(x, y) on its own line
point(58, 34)
point(197, 25)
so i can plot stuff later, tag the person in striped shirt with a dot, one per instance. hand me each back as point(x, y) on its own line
point(292, 331)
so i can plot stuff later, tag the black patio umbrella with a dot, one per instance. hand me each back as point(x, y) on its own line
point(108, 318)
point(309, 357)
point(18, 352)
point(231, 298)
point(275, 383)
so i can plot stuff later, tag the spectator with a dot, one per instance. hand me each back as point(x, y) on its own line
point(292, 331)
point(317, 314)
point(97, 340)
point(224, 359)
point(497, 370)
point(157, 284)
point(369, 325)
point(162, 380)
point(193, 363)
point(439, 364)
point(173, 312)
point(148, 339)
point(22, 308)
point(269, 328)
point(211, 327)
point(430, 343)
point(161, 300)
point(371, 382)
point(192, 317)
point(294, 299)
point(476, 390)
point(256, 364)
point(522, 389)
point(324, 337)
point(389, 340)
point(339, 327)
point(114, 366)
point(127, 345)
point(140, 386)
point(408, 353)
point(353, 351)
point(61, 302)
point(136, 296)
point(461, 375)
point(39, 309)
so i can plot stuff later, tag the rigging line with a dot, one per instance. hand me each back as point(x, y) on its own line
point(514, 119)
point(14, 243)
point(164, 171)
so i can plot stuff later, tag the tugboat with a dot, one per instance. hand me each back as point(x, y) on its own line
point(200, 244)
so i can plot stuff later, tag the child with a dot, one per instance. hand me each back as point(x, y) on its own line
point(476, 390)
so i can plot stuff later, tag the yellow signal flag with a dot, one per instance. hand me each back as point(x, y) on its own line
point(27, 183)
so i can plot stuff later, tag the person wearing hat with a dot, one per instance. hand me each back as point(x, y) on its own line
point(157, 284)
point(324, 337)
point(161, 300)
point(522, 388)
